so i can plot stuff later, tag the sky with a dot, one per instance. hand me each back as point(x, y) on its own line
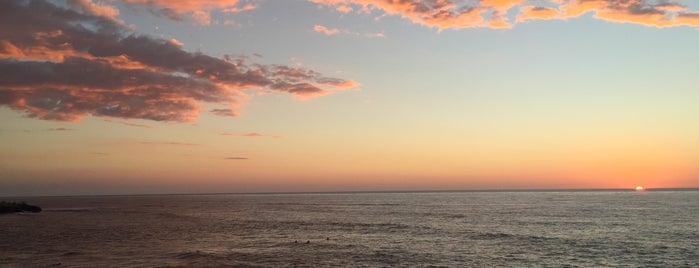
point(158, 96)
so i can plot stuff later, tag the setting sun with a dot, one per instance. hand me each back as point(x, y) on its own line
point(640, 188)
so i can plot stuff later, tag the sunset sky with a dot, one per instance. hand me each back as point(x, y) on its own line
point(157, 96)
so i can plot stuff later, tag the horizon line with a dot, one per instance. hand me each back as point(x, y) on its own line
point(382, 191)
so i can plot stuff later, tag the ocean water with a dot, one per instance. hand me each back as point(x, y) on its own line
point(457, 229)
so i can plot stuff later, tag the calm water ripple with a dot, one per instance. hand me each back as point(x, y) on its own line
point(461, 229)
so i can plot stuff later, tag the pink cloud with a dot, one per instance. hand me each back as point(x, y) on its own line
point(245, 7)
point(199, 10)
point(98, 9)
point(56, 68)
point(334, 31)
point(325, 30)
point(454, 14)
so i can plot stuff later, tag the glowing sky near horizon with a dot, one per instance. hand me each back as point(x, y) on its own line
point(157, 96)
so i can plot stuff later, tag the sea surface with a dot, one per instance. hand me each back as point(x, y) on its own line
point(439, 229)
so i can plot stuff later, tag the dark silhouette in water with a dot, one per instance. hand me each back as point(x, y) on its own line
point(14, 207)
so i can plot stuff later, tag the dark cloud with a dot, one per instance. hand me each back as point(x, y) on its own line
point(64, 62)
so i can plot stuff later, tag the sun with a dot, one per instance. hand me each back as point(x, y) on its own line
point(640, 188)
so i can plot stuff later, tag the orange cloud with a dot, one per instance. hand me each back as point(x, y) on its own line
point(537, 13)
point(454, 14)
point(688, 18)
point(199, 10)
point(56, 68)
point(344, 9)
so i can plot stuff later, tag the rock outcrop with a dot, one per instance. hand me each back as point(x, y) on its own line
point(14, 207)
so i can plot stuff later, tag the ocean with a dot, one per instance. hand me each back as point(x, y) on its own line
point(412, 229)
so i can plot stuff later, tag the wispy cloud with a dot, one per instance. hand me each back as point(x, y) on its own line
point(67, 62)
point(169, 143)
point(335, 31)
point(235, 158)
point(255, 134)
point(60, 129)
point(134, 125)
point(325, 30)
point(128, 124)
point(252, 135)
point(455, 14)
point(198, 11)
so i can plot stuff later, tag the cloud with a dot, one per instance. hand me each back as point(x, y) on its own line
point(235, 158)
point(64, 63)
point(455, 14)
point(224, 112)
point(169, 143)
point(60, 129)
point(334, 31)
point(97, 9)
point(255, 134)
point(46, 129)
point(252, 135)
point(134, 125)
point(534, 13)
point(198, 11)
point(645, 12)
point(129, 124)
point(325, 30)
point(344, 9)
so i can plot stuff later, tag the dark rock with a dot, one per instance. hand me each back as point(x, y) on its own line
point(14, 207)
